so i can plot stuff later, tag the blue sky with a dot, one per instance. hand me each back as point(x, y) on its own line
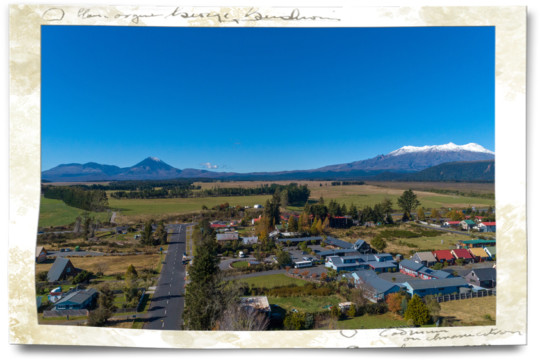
point(267, 99)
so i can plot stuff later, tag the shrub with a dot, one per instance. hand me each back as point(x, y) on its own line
point(42, 276)
point(82, 277)
point(294, 321)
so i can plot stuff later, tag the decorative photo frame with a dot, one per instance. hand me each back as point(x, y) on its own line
point(510, 185)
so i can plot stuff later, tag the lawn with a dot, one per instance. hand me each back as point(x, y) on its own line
point(110, 264)
point(56, 213)
point(470, 312)
point(306, 303)
point(383, 321)
point(271, 281)
point(240, 264)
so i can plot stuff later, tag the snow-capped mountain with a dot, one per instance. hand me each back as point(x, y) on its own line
point(471, 147)
point(413, 158)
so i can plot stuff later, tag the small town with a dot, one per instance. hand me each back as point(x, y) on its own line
point(263, 267)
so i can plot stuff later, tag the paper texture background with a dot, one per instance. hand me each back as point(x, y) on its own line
point(24, 62)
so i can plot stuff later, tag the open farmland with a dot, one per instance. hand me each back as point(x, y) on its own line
point(373, 193)
point(130, 207)
point(54, 212)
point(110, 264)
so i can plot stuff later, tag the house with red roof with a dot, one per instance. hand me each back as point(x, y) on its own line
point(444, 255)
point(462, 254)
point(453, 224)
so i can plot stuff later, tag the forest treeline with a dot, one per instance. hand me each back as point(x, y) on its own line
point(78, 197)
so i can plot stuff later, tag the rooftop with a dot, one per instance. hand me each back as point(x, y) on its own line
point(436, 283)
point(78, 296)
point(370, 278)
point(57, 268)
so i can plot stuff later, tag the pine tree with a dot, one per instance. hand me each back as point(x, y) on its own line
point(204, 293)
point(408, 201)
point(146, 237)
point(417, 311)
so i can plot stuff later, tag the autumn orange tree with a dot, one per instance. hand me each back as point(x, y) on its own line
point(394, 302)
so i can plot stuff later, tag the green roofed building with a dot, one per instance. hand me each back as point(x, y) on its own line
point(467, 224)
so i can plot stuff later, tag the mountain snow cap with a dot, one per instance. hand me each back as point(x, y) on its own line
point(154, 158)
point(472, 147)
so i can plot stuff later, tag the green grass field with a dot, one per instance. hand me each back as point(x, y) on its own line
point(240, 264)
point(306, 303)
point(383, 321)
point(130, 207)
point(271, 281)
point(56, 213)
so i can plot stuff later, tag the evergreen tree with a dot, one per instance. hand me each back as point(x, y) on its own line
point(378, 243)
point(161, 234)
point(417, 311)
point(146, 237)
point(204, 293)
point(353, 212)
point(407, 202)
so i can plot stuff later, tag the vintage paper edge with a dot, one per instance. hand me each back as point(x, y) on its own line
point(510, 23)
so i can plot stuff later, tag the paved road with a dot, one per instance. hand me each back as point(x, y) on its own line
point(167, 306)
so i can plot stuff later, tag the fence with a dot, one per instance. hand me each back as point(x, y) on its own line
point(469, 295)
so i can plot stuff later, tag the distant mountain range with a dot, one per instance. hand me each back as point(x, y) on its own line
point(471, 162)
point(462, 171)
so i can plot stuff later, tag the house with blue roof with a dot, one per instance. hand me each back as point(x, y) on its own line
point(378, 263)
point(77, 300)
point(375, 288)
point(338, 243)
point(436, 286)
point(336, 252)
